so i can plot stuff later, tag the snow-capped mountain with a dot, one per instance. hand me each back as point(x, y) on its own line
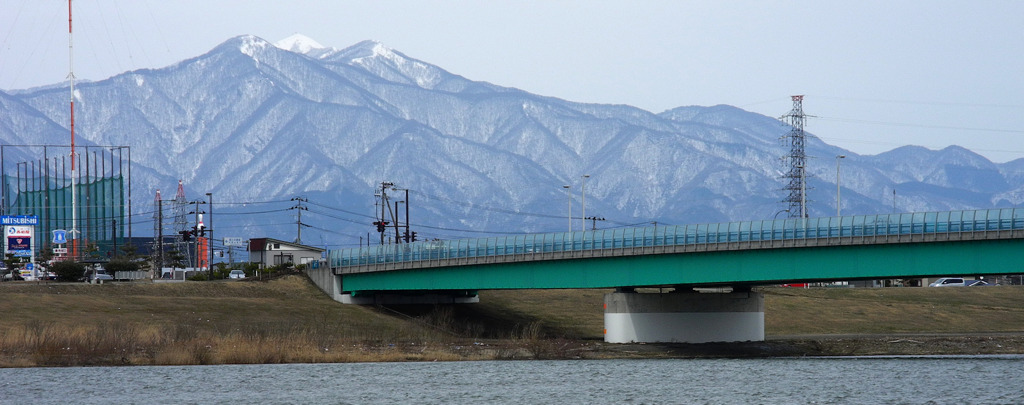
point(257, 124)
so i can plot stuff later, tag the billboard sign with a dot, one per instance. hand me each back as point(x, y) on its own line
point(13, 231)
point(19, 220)
point(19, 246)
point(19, 240)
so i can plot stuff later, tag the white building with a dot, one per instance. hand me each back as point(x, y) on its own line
point(269, 252)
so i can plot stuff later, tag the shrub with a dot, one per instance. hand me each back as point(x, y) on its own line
point(199, 276)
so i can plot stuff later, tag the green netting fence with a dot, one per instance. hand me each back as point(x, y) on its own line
point(100, 215)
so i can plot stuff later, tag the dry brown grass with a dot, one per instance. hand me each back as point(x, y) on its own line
point(283, 321)
point(795, 311)
point(116, 343)
point(799, 311)
point(288, 320)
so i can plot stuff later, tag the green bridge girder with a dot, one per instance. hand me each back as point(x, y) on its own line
point(712, 268)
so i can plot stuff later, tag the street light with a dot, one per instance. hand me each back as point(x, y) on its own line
point(568, 190)
point(777, 214)
point(838, 206)
point(584, 200)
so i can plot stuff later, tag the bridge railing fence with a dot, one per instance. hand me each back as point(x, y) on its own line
point(875, 228)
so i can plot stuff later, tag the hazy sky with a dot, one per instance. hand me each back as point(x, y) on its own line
point(876, 74)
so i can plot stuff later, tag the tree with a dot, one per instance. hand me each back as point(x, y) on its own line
point(10, 261)
point(46, 254)
point(92, 250)
point(127, 260)
point(130, 251)
point(175, 259)
point(68, 270)
point(220, 270)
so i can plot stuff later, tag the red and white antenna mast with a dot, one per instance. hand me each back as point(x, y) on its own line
point(74, 194)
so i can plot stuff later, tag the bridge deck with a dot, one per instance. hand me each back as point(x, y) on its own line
point(1005, 223)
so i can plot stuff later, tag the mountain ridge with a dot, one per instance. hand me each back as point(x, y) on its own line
point(241, 119)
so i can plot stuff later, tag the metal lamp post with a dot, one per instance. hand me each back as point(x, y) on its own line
point(583, 189)
point(568, 191)
point(838, 206)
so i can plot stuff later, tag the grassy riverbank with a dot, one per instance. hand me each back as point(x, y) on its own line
point(289, 320)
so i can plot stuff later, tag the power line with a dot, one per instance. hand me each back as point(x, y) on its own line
point(902, 124)
point(919, 102)
point(253, 212)
point(342, 210)
point(485, 207)
point(340, 218)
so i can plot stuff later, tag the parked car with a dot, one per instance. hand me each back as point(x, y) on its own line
point(12, 275)
point(236, 274)
point(976, 283)
point(97, 275)
point(949, 282)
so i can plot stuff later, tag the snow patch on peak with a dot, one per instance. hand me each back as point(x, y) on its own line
point(250, 45)
point(380, 49)
point(392, 65)
point(370, 49)
point(299, 43)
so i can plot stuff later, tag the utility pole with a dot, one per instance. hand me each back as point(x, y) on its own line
point(298, 223)
point(395, 219)
point(385, 210)
point(593, 222)
point(209, 237)
point(196, 230)
point(160, 236)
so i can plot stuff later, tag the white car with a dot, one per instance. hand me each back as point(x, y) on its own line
point(236, 274)
point(949, 282)
point(97, 276)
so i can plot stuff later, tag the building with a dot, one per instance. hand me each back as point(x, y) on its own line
point(269, 252)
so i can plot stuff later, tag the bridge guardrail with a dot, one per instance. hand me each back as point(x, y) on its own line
point(790, 232)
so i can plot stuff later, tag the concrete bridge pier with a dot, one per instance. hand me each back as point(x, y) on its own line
point(683, 317)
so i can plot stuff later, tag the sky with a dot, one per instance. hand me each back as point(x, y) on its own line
point(876, 75)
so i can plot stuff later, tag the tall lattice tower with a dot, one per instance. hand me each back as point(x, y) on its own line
point(797, 159)
point(181, 223)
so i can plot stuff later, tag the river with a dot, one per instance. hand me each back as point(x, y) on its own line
point(847, 380)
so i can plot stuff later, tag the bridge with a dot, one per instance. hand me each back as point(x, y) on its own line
point(737, 255)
